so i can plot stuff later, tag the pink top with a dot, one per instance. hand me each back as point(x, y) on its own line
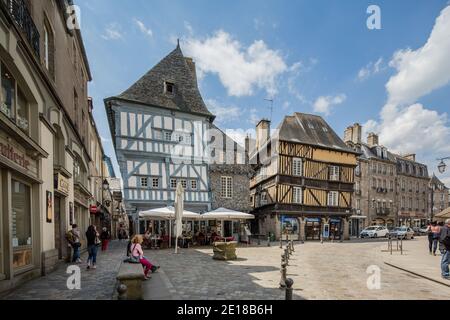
point(137, 250)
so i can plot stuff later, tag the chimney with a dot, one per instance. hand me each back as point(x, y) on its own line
point(372, 140)
point(262, 133)
point(191, 65)
point(410, 157)
point(353, 134)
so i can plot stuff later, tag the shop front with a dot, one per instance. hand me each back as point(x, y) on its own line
point(290, 228)
point(61, 187)
point(313, 228)
point(20, 209)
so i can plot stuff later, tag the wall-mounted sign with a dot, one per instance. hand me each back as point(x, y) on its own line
point(93, 209)
point(326, 231)
point(49, 207)
point(61, 184)
point(8, 152)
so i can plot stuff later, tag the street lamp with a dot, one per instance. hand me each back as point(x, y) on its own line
point(442, 166)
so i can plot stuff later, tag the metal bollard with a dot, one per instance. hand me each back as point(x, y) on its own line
point(289, 283)
point(292, 246)
point(268, 241)
point(259, 240)
point(283, 276)
point(283, 259)
point(122, 290)
point(401, 246)
point(281, 242)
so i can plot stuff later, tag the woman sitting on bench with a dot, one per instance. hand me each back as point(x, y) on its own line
point(137, 252)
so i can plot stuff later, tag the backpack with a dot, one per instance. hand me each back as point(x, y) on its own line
point(70, 237)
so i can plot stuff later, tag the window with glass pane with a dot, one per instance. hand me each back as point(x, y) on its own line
point(22, 111)
point(173, 183)
point(297, 195)
point(226, 189)
point(194, 184)
point(184, 184)
point(334, 173)
point(8, 92)
point(21, 215)
point(144, 182)
point(333, 198)
point(155, 182)
point(297, 167)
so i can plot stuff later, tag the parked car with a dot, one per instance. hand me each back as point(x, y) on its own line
point(420, 231)
point(374, 232)
point(402, 233)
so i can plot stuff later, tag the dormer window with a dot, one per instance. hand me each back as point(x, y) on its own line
point(169, 88)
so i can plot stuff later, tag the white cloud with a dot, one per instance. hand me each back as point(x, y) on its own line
point(223, 114)
point(146, 31)
point(406, 126)
point(241, 70)
point(189, 28)
point(239, 135)
point(324, 104)
point(425, 69)
point(254, 117)
point(112, 32)
point(370, 69)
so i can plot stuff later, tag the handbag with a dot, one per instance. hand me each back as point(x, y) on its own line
point(131, 258)
point(98, 242)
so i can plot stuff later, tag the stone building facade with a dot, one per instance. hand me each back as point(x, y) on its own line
point(385, 184)
point(439, 196)
point(412, 191)
point(45, 156)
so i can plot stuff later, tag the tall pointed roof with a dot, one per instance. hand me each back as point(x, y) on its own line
point(175, 69)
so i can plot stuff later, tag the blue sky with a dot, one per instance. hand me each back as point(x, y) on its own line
point(309, 56)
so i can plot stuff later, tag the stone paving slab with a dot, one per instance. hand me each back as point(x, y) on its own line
point(99, 284)
point(320, 271)
point(417, 260)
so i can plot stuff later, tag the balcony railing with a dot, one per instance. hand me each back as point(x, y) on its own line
point(18, 11)
point(383, 211)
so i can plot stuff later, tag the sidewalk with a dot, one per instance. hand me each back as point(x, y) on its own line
point(99, 284)
point(416, 260)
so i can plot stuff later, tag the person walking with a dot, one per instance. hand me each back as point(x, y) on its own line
point(93, 242)
point(73, 238)
point(137, 252)
point(444, 244)
point(435, 234)
point(105, 236)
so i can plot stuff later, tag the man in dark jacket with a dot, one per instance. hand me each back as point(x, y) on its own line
point(444, 243)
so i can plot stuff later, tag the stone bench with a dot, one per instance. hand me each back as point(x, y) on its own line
point(131, 275)
point(225, 250)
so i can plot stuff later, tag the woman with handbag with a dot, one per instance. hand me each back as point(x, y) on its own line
point(138, 254)
point(93, 242)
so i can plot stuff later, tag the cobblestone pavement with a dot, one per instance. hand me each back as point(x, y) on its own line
point(320, 271)
point(96, 284)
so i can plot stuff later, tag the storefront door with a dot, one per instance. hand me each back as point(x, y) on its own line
point(227, 232)
point(58, 227)
point(313, 229)
point(335, 229)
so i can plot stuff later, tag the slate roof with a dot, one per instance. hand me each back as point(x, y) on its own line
point(311, 130)
point(176, 69)
point(370, 153)
point(435, 181)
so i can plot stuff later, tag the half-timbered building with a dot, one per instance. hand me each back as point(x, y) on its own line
point(303, 186)
point(158, 127)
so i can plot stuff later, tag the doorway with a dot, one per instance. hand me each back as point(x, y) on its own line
point(313, 229)
point(59, 227)
point(227, 229)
